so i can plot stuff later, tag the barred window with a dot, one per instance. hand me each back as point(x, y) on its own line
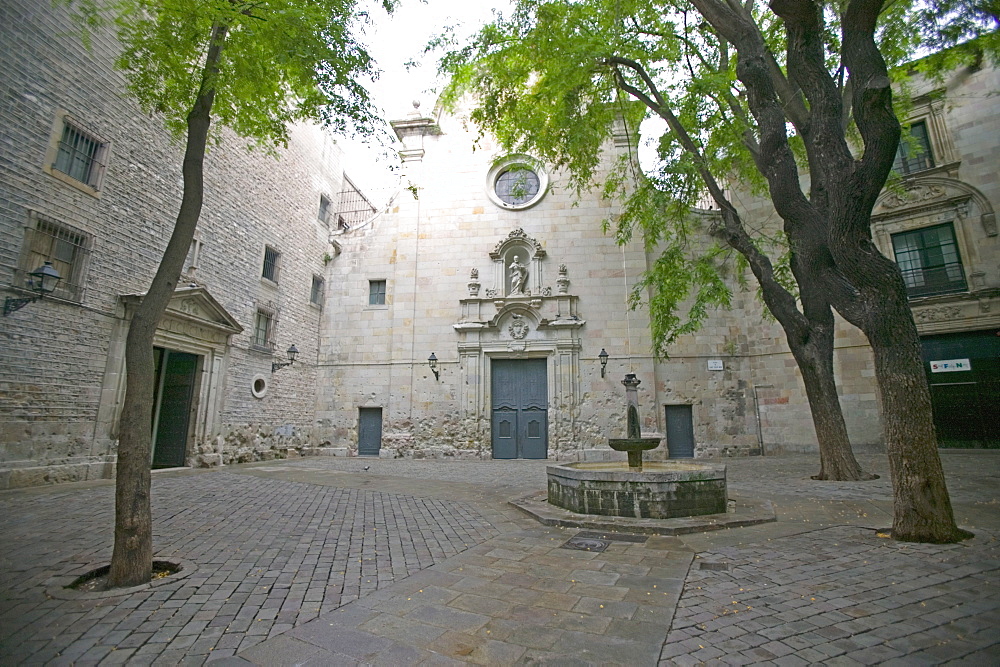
point(317, 291)
point(271, 258)
point(263, 330)
point(376, 292)
point(77, 154)
point(68, 250)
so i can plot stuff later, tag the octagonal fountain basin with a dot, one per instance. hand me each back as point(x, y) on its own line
point(663, 490)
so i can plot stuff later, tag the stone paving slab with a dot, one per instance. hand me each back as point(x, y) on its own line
point(606, 614)
point(424, 562)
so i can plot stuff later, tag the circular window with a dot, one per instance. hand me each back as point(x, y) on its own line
point(258, 386)
point(517, 185)
point(516, 182)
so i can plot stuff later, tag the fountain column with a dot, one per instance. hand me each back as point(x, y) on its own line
point(632, 383)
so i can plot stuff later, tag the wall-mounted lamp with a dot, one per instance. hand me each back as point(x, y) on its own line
point(432, 361)
point(603, 356)
point(42, 281)
point(292, 353)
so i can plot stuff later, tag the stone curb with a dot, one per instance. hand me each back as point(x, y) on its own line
point(749, 512)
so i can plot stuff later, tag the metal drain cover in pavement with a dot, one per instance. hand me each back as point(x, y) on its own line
point(709, 565)
point(586, 544)
point(587, 540)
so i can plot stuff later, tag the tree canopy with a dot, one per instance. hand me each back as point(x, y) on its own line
point(795, 96)
point(255, 66)
point(283, 61)
point(555, 76)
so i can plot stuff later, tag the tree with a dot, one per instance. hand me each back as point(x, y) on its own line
point(254, 66)
point(757, 96)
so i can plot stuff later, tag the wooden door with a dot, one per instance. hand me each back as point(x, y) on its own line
point(680, 432)
point(519, 409)
point(369, 431)
point(176, 378)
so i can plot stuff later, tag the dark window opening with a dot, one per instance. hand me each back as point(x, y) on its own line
point(65, 248)
point(376, 293)
point(929, 261)
point(79, 155)
point(271, 257)
point(316, 293)
point(263, 331)
point(914, 154)
point(324, 210)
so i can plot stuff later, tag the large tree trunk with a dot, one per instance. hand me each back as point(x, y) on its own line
point(922, 509)
point(132, 557)
point(815, 362)
point(865, 287)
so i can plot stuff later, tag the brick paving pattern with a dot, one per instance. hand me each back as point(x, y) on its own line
point(391, 562)
point(843, 596)
point(271, 555)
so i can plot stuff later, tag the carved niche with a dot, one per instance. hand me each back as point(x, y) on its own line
point(514, 301)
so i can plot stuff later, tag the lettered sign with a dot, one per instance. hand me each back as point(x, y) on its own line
point(950, 365)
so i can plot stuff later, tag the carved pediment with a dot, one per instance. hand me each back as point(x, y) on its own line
point(518, 237)
point(195, 305)
point(934, 195)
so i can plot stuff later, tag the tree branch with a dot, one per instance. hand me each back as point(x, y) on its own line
point(779, 301)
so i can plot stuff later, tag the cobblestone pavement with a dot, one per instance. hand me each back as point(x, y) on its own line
point(270, 554)
point(841, 595)
point(371, 561)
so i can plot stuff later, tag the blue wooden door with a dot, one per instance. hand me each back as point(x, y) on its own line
point(520, 409)
point(369, 431)
point(680, 432)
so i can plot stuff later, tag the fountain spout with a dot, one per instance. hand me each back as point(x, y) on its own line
point(633, 445)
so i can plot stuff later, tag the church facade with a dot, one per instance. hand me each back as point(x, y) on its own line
point(482, 313)
point(484, 299)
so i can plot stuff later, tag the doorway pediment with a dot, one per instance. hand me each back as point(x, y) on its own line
point(195, 307)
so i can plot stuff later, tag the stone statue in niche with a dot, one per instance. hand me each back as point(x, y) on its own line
point(518, 274)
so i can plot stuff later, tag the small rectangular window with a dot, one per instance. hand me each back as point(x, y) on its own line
point(67, 249)
point(914, 153)
point(271, 258)
point(263, 330)
point(929, 260)
point(376, 292)
point(77, 154)
point(316, 293)
point(324, 210)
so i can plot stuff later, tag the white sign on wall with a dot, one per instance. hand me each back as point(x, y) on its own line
point(950, 365)
point(715, 364)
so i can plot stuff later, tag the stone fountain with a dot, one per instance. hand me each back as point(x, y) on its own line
point(654, 490)
point(634, 445)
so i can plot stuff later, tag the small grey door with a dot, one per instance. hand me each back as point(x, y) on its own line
point(369, 431)
point(176, 375)
point(520, 409)
point(680, 432)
